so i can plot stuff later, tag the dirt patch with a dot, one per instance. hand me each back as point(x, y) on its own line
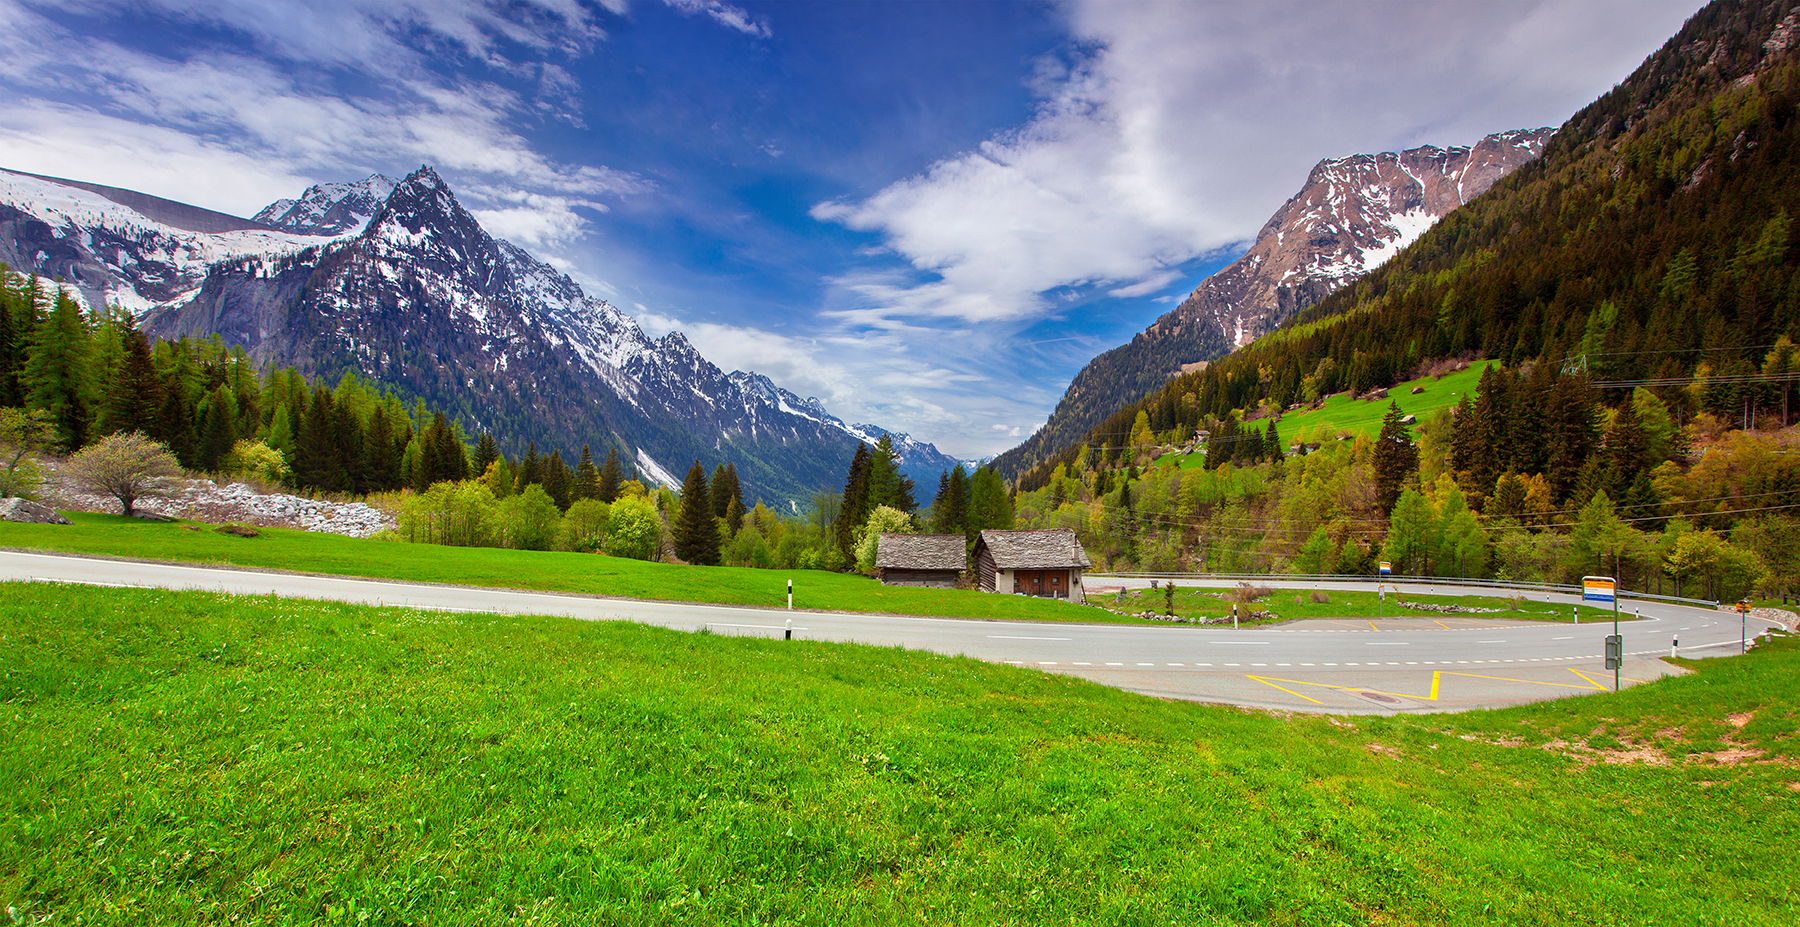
point(1385, 750)
point(1649, 756)
point(1730, 756)
point(1794, 785)
point(1740, 719)
point(1670, 733)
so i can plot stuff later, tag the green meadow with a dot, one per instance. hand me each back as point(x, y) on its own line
point(1204, 604)
point(186, 758)
point(1343, 415)
point(311, 552)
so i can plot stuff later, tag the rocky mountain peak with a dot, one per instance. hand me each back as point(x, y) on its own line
point(331, 208)
point(1350, 217)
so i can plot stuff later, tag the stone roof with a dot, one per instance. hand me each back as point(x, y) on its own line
point(1047, 549)
point(921, 552)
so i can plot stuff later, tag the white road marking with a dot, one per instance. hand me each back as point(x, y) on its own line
point(1007, 637)
point(766, 627)
point(1389, 643)
point(1562, 638)
point(1490, 642)
point(1251, 643)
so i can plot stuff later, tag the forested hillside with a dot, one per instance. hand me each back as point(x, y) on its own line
point(1638, 284)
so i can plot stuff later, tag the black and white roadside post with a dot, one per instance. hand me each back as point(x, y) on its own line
point(787, 630)
point(1674, 645)
point(1234, 616)
point(790, 595)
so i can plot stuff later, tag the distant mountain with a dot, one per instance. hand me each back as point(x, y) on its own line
point(330, 209)
point(396, 281)
point(1352, 215)
point(1650, 243)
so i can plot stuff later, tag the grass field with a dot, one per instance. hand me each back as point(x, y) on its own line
point(310, 552)
point(1343, 415)
point(183, 758)
point(1196, 604)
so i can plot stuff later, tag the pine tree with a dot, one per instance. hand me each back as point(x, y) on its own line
point(452, 460)
point(610, 477)
point(531, 468)
point(486, 452)
point(856, 506)
point(734, 515)
point(989, 505)
point(135, 392)
point(218, 430)
point(382, 459)
point(587, 479)
point(718, 492)
point(558, 481)
point(1394, 459)
point(56, 371)
point(316, 464)
point(696, 533)
point(175, 421)
point(347, 441)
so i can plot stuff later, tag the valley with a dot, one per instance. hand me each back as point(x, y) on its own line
point(502, 537)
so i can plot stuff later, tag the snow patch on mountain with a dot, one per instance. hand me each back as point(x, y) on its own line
point(647, 466)
point(330, 209)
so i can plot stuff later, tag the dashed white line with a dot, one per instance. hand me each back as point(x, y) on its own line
point(1000, 637)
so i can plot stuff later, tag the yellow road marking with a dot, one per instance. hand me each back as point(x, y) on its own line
point(1600, 683)
point(1443, 625)
point(1286, 689)
point(1372, 626)
point(1436, 682)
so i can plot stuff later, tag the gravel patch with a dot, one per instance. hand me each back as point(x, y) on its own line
point(218, 502)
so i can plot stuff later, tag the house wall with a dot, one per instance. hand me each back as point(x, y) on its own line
point(935, 579)
point(985, 574)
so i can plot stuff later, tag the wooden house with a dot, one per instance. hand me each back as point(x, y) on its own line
point(935, 560)
point(1044, 563)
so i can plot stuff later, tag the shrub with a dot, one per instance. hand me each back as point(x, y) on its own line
point(127, 467)
point(1321, 598)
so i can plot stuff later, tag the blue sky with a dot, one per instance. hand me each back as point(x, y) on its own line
point(930, 215)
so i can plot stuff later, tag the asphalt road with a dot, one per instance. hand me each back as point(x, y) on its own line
point(1338, 666)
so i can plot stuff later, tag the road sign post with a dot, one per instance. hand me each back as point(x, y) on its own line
point(1615, 654)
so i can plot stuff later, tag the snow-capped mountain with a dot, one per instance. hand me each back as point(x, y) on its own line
point(330, 208)
point(415, 295)
point(1352, 215)
point(122, 247)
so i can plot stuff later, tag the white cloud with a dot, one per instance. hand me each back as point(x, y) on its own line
point(724, 14)
point(265, 123)
point(1186, 125)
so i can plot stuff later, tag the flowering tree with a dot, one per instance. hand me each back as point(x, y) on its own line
point(127, 466)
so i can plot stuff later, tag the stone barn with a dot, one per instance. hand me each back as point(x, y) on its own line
point(1045, 563)
point(935, 560)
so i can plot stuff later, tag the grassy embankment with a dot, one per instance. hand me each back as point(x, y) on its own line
point(1343, 415)
point(183, 758)
point(279, 549)
point(1210, 604)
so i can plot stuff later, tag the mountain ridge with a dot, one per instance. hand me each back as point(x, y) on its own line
point(1351, 215)
point(416, 296)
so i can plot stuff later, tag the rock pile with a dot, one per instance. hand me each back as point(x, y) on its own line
point(1448, 609)
point(218, 503)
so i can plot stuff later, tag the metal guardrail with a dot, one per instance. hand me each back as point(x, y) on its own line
point(1424, 580)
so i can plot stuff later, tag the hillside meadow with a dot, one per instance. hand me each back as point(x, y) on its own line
point(196, 758)
point(557, 571)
